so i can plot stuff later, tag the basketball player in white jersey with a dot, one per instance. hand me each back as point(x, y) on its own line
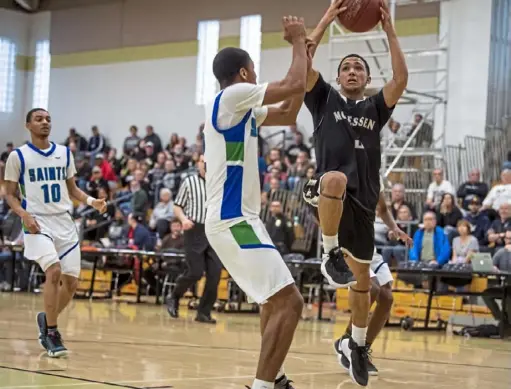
point(232, 225)
point(44, 173)
point(381, 287)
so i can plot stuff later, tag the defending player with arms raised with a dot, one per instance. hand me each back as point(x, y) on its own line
point(44, 172)
point(381, 288)
point(347, 141)
point(233, 227)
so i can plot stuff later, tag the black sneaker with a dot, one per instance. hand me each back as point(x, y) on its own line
point(371, 369)
point(335, 269)
point(43, 329)
point(341, 358)
point(202, 318)
point(283, 383)
point(358, 359)
point(55, 346)
point(173, 307)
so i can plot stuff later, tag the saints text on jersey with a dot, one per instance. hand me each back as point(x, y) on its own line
point(47, 174)
point(355, 121)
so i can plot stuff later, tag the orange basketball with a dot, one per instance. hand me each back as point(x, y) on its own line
point(361, 15)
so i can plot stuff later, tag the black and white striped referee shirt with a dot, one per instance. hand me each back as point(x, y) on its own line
point(192, 198)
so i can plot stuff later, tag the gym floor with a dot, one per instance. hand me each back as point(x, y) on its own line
point(139, 346)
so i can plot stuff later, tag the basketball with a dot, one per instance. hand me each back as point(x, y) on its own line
point(361, 15)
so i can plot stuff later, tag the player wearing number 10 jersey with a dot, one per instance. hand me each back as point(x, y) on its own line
point(44, 173)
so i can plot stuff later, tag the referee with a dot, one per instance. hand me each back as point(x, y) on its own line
point(190, 209)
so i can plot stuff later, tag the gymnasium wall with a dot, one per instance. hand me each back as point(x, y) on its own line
point(120, 63)
point(15, 27)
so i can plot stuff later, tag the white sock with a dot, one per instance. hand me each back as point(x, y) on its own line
point(280, 373)
point(258, 384)
point(359, 335)
point(330, 242)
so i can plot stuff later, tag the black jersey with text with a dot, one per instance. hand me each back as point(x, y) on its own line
point(347, 138)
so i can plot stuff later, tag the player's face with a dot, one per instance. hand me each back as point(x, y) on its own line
point(352, 75)
point(40, 124)
point(248, 74)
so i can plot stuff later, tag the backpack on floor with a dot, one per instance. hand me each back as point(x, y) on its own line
point(481, 331)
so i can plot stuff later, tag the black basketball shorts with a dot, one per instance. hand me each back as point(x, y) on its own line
point(356, 229)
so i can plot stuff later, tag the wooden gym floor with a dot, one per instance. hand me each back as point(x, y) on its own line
point(139, 346)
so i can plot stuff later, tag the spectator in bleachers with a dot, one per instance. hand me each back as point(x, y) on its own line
point(107, 172)
point(171, 178)
point(501, 262)
point(128, 172)
point(141, 176)
point(430, 244)
point(114, 162)
point(298, 170)
point(174, 140)
point(473, 186)
point(500, 193)
point(298, 146)
point(272, 192)
point(424, 137)
point(197, 147)
point(9, 148)
point(97, 222)
point(96, 181)
point(448, 214)
point(181, 161)
point(275, 173)
point(150, 153)
point(500, 225)
point(162, 213)
point(280, 228)
point(152, 137)
point(96, 143)
point(118, 229)
point(437, 188)
point(464, 245)
point(174, 239)
point(396, 248)
point(398, 200)
point(139, 236)
point(139, 200)
point(78, 139)
point(273, 156)
point(83, 172)
point(131, 142)
point(479, 222)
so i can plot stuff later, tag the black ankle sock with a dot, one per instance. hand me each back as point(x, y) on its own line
point(52, 329)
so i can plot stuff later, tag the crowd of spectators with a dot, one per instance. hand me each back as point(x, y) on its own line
point(141, 180)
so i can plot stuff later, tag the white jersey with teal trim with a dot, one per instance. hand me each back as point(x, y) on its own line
point(42, 176)
point(231, 155)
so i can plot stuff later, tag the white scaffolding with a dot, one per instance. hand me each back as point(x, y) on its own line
point(432, 61)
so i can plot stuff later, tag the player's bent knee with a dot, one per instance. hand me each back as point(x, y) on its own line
point(386, 298)
point(53, 273)
point(288, 299)
point(333, 184)
point(70, 282)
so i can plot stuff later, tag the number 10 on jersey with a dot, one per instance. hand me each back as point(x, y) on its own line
point(51, 193)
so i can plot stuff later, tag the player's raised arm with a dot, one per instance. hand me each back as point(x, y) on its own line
point(393, 90)
point(294, 82)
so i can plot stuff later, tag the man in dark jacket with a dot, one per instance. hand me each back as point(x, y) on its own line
point(479, 222)
point(280, 229)
point(473, 186)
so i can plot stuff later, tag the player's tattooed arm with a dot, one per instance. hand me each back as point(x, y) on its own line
point(393, 90)
point(98, 204)
point(11, 195)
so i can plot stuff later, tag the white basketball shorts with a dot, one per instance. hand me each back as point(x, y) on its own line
point(57, 242)
point(248, 254)
point(380, 270)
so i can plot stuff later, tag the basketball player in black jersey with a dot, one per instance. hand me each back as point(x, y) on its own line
point(347, 141)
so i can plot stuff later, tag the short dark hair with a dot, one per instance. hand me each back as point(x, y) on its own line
point(368, 70)
point(228, 62)
point(31, 112)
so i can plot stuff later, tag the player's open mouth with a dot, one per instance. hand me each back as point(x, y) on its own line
point(352, 81)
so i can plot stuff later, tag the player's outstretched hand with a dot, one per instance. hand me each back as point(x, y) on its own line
point(99, 205)
point(31, 224)
point(386, 21)
point(294, 29)
point(402, 236)
point(333, 11)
